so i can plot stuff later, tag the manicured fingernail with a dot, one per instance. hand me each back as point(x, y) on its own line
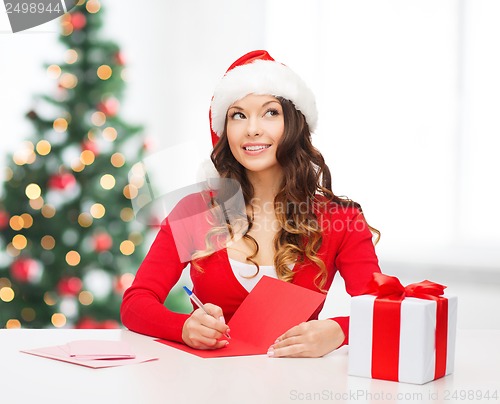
point(221, 318)
point(276, 341)
point(270, 352)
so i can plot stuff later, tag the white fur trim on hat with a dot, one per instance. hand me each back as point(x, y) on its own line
point(262, 77)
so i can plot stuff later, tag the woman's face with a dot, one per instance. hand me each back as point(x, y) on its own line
point(255, 126)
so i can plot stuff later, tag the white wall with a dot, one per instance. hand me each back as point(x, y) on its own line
point(407, 92)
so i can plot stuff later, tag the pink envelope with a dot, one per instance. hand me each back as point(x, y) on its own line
point(93, 349)
point(272, 308)
point(91, 353)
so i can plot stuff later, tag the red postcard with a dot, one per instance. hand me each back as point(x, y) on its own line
point(272, 308)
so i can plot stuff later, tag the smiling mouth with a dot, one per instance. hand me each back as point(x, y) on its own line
point(256, 148)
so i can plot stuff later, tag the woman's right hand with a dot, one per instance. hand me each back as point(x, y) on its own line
point(204, 331)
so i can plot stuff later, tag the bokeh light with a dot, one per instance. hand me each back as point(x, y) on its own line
point(98, 118)
point(16, 223)
point(49, 298)
point(12, 251)
point(127, 247)
point(13, 323)
point(127, 214)
point(93, 6)
point(85, 219)
point(71, 56)
point(7, 294)
point(8, 173)
point(28, 314)
point(97, 210)
point(85, 298)
point(48, 242)
point(37, 203)
point(68, 81)
point(58, 320)
point(60, 125)
point(73, 258)
point(87, 157)
point(77, 166)
point(104, 72)
point(53, 71)
point(110, 134)
point(33, 191)
point(25, 154)
point(130, 191)
point(19, 241)
point(27, 220)
point(43, 147)
point(117, 160)
point(48, 211)
point(108, 181)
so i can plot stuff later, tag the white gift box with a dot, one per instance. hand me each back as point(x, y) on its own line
point(417, 343)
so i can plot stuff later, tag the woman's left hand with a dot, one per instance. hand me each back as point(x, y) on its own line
point(312, 339)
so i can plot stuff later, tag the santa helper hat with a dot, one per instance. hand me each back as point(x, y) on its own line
point(258, 73)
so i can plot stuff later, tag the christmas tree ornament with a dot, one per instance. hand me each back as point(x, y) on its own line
point(89, 145)
point(109, 324)
point(4, 219)
point(99, 282)
point(91, 323)
point(78, 20)
point(123, 282)
point(69, 286)
point(149, 144)
point(119, 59)
point(109, 106)
point(62, 181)
point(26, 270)
point(102, 241)
point(87, 323)
point(69, 307)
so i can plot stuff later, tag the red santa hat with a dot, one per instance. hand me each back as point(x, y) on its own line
point(258, 73)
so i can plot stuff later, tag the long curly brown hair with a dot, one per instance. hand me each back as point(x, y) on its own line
point(305, 176)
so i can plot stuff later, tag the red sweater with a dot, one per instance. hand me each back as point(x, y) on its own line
point(346, 247)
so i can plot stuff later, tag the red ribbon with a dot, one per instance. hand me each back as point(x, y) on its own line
point(387, 319)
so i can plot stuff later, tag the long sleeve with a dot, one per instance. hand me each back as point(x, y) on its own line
point(356, 261)
point(142, 308)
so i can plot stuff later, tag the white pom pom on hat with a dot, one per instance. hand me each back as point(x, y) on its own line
point(258, 73)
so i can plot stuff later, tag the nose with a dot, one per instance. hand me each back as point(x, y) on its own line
point(254, 127)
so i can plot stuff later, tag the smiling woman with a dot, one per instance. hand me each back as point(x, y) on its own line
point(254, 129)
point(262, 115)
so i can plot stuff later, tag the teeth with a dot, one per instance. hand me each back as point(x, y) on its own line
point(255, 148)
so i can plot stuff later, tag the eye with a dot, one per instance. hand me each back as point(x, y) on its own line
point(272, 112)
point(237, 115)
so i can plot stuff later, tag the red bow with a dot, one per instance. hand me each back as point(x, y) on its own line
point(389, 287)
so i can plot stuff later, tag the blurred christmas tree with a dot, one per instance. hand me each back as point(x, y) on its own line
point(68, 230)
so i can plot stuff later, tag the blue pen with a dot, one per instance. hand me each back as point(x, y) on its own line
point(198, 302)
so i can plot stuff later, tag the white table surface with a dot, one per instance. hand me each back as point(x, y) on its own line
point(178, 377)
